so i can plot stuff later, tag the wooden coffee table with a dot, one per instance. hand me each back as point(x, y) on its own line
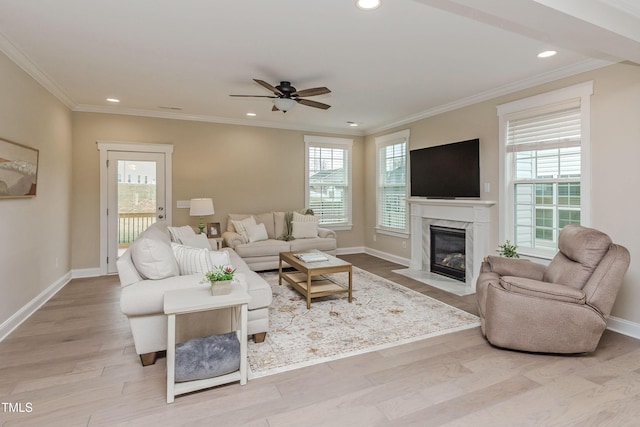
point(309, 278)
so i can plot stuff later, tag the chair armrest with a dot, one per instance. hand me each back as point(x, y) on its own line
point(544, 290)
point(325, 232)
point(515, 267)
point(232, 239)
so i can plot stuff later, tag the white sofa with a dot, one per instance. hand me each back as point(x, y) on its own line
point(262, 251)
point(143, 287)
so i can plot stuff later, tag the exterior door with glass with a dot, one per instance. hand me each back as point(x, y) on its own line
point(136, 198)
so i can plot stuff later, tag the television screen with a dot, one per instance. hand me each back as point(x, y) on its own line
point(446, 171)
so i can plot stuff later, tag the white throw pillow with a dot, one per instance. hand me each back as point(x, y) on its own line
point(191, 260)
point(178, 233)
point(241, 225)
point(256, 233)
point(298, 217)
point(304, 230)
point(153, 256)
point(198, 260)
point(197, 241)
point(218, 258)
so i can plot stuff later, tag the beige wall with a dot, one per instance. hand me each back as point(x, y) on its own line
point(243, 168)
point(615, 139)
point(35, 249)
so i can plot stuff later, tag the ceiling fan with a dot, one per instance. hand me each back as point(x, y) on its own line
point(286, 96)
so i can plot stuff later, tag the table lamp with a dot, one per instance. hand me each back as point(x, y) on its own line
point(201, 208)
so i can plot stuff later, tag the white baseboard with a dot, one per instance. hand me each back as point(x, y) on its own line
point(624, 327)
point(86, 272)
point(349, 251)
point(32, 306)
point(387, 256)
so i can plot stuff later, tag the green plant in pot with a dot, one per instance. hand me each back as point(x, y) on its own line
point(508, 250)
point(220, 279)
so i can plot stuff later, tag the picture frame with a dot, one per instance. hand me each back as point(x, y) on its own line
point(18, 170)
point(213, 230)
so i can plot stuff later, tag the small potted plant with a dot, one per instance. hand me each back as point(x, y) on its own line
point(220, 279)
point(508, 250)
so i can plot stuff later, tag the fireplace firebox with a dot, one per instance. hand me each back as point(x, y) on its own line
point(448, 252)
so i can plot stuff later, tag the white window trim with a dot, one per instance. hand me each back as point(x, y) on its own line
point(528, 106)
point(331, 142)
point(383, 141)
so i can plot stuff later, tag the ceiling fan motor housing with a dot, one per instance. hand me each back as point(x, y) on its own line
point(286, 89)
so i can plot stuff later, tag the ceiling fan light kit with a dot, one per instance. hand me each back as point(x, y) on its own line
point(285, 96)
point(284, 104)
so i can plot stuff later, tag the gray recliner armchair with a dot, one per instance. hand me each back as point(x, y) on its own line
point(560, 308)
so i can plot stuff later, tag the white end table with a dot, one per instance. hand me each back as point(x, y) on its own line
point(193, 300)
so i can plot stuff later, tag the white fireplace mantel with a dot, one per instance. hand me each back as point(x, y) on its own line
point(474, 214)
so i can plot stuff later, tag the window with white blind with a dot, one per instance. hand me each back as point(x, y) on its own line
point(544, 150)
point(391, 178)
point(328, 180)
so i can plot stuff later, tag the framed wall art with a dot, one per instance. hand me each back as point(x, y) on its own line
point(213, 230)
point(18, 170)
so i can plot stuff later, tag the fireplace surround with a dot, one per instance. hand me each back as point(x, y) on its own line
point(472, 216)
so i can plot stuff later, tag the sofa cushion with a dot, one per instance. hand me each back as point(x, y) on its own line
point(263, 248)
point(196, 241)
point(279, 224)
point(240, 226)
point(152, 255)
point(257, 233)
point(178, 233)
point(319, 243)
point(267, 219)
point(144, 297)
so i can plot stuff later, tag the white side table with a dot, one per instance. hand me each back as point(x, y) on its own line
point(193, 300)
point(217, 241)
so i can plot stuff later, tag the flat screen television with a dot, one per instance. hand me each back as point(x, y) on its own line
point(446, 171)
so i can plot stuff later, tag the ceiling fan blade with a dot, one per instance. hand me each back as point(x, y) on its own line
point(312, 92)
point(315, 104)
point(254, 96)
point(268, 86)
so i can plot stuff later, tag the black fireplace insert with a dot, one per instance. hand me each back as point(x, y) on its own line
point(448, 252)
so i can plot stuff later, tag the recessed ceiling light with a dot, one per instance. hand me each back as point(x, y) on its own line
point(547, 53)
point(368, 4)
point(116, 100)
point(251, 114)
point(352, 124)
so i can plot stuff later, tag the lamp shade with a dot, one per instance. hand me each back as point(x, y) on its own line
point(201, 207)
point(284, 104)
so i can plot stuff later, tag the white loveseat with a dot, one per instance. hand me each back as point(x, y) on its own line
point(149, 268)
point(267, 234)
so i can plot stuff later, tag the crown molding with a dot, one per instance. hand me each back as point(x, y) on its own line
point(22, 61)
point(84, 108)
point(571, 70)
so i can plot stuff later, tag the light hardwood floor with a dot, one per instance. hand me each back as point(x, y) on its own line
point(74, 363)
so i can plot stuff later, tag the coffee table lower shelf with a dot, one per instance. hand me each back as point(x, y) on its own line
point(321, 286)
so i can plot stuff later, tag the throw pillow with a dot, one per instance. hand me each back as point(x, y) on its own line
point(256, 233)
point(240, 227)
point(191, 260)
point(298, 217)
point(218, 258)
point(197, 241)
point(153, 257)
point(178, 233)
point(304, 230)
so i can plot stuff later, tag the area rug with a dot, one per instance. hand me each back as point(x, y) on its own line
point(383, 314)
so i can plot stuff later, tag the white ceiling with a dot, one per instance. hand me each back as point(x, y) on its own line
point(406, 60)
